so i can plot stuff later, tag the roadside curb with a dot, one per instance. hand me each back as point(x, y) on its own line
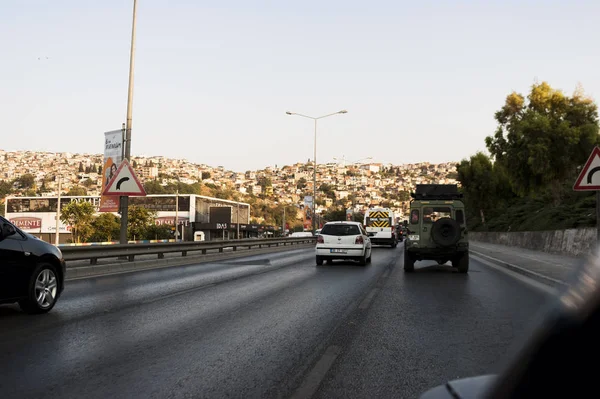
point(518, 269)
point(74, 273)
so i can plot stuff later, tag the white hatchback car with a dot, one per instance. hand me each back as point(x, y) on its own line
point(343, 240)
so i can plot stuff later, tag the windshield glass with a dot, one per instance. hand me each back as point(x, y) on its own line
point(340, 230)
point(431, 214)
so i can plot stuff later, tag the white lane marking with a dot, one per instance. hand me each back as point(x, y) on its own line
point(528, 257)
point(527, 280)
point(369, 298)
point(316, 375)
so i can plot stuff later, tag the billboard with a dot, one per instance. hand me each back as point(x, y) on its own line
point(113, 156)
point(349, 214)
point(220, 214)
point(38, 222)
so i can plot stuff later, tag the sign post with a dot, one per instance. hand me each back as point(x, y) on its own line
point(589, 180)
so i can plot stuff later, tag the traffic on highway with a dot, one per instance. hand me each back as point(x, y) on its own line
point(321, 200)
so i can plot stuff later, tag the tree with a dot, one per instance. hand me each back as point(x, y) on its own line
point(25, 181)
point(541, 140)
point(105, 227)
point(6, 188)
point(88, 183)
point(100, 169)
point(301, 184)
point(76, 191)
point(139, 220)
point(80, 169)
point(79, 216)
point(205, 175)
point(153, 187)
point(483, 184)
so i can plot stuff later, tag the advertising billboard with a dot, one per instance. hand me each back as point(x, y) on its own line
point(113, 156)
point(220, 214)
point(41, 222)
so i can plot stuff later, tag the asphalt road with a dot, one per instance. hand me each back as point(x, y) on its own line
point(271, 325)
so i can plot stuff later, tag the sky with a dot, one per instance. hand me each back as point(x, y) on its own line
point(420, 80)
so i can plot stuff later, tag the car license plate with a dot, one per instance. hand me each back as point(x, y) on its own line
point(338, 251)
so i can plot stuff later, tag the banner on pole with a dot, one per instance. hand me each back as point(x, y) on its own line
point(113, 156)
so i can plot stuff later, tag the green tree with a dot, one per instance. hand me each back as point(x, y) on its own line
point(139, 221)
point(541, 140)
point(105, 227)
point(77, 191)
point(80, 169)
point(205, 175)
point(301, 184)
point(484, 185)
point(25, 181)
point(6, 188)
point(79, 215)
point(153, 187)
point(88, 183)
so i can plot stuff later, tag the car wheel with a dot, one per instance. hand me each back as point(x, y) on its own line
point(461, 262)
point(319, 260)
point(370, 255)
point(42, 290)
point(409, 263)
point(363, 259)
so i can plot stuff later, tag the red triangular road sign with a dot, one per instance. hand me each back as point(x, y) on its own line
point(589, 178)
point(124, 182)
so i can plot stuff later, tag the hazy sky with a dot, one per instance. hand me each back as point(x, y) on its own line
point(421, 80)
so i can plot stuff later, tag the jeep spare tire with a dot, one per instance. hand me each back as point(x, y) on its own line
point(445, 232)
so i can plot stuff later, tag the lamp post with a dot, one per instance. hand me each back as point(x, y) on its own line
point(314, 201)
point(124, 201)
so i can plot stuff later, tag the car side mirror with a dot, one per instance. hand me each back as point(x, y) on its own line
point(7, 230)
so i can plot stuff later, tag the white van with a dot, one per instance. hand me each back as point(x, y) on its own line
point(379, 223)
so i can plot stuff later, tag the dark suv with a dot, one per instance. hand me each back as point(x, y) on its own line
point(32, 271)
point(438, 230)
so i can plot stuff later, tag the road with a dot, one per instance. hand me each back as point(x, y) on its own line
point(265, 326)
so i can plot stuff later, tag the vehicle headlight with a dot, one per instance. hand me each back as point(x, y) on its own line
point(413, 237)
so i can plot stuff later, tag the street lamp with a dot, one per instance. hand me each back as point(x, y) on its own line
point(315, 160)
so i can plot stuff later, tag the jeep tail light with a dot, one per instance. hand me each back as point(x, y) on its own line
point(320, 239)
point(359, 240)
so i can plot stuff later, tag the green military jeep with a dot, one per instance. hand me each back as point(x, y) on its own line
point(437, 227)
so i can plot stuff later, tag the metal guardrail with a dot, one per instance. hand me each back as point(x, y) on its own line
point(129, 251)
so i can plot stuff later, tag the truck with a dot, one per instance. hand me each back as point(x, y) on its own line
point(379, 223)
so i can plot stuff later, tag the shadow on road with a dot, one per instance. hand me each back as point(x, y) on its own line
point(435, 268)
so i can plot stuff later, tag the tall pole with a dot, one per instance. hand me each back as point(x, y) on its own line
point(124, 201)
point(283, 223)
point(238, 221)
point(177, 215)
point(57, 231)
point(314, 204)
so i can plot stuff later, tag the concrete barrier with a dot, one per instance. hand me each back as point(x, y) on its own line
point(575, 242)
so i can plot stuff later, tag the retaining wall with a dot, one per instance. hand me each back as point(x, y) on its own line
point(576, 242)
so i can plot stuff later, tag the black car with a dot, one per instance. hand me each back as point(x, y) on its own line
point(32, 272)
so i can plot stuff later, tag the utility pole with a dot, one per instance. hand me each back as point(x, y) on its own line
point(57, 231)
point(283, 223)
point(124, 201)
point(238, 220)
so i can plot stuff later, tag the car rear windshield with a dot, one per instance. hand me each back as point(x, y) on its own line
point(431, 214)
point(340, 230)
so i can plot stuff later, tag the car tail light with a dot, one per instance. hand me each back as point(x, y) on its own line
point(359, 240)
point(320, 240)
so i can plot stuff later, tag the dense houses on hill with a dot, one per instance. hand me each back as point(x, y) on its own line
point(356, 186)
